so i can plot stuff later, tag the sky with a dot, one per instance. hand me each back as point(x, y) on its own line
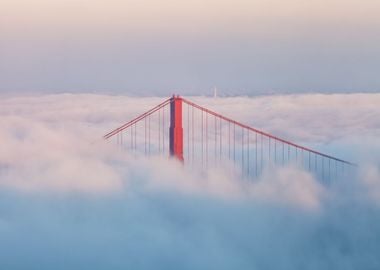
point(72, 70)
point(70, 200)
point(189, 47)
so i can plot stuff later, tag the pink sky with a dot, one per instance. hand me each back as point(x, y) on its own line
point(153, 47)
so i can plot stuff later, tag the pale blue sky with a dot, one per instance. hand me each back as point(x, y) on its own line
point(161, 47)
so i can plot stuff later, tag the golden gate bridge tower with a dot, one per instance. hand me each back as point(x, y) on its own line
point(176, 130)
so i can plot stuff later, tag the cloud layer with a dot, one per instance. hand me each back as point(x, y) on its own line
point(70, 201)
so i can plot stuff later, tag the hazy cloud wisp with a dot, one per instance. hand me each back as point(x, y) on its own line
point(68, 200)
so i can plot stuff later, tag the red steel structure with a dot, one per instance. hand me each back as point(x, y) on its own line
point(176, 130)
point(202, 138)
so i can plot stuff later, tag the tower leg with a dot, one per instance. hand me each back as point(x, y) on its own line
point(176, 130)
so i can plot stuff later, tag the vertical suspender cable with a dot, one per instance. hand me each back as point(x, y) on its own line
point(275, 151)
point(131, 138)
point(163, 130)
point(329, 170)
point(248, 155)
point(206, 139)
point(136, 136)
point(261, 156)
point(234, 141)
point(242, 151)
point(149, 132)
point(202, 137)
point(220, 140)
point(215, 131)
point(192, 134)
point(256, 154)
point(188, 132)
point(315, 164)
point(229, 140)
point(159, 131)
point(323, 169)
point(283, 154)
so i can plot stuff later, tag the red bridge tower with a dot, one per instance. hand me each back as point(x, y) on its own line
point(176, 130)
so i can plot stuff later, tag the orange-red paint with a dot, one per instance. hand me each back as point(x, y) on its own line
point(176, 130)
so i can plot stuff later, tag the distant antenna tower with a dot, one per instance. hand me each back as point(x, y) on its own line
point(215, 92)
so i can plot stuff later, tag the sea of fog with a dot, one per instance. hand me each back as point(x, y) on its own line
point(70, 201)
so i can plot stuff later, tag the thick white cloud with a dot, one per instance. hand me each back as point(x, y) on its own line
point(62, 188)
point(55, 140)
